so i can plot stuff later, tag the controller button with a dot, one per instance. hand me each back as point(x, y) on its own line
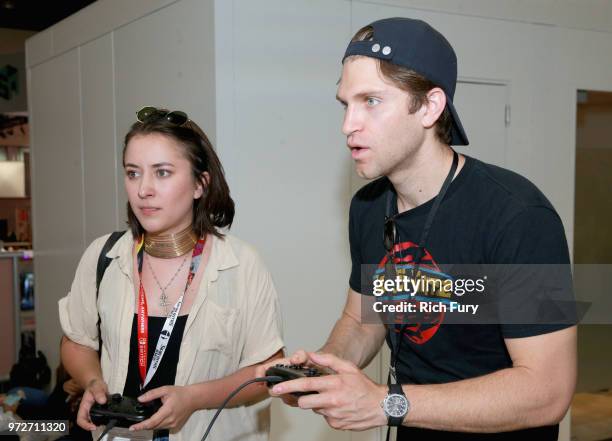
point(116, 398)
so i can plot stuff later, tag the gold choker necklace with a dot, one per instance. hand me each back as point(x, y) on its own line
point(169, 246)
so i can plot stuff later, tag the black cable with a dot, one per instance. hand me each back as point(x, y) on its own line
point(108, 427)
point(270, 378)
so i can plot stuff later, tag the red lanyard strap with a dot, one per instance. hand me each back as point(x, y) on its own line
point(142, 322)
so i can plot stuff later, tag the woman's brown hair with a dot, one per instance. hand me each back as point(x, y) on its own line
point(215, 209)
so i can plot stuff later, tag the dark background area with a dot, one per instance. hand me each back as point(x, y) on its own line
point(37, 15)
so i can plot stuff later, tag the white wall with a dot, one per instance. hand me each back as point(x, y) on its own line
point(260, 77)
point(279, 138)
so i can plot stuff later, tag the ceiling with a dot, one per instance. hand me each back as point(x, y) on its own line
point(37, 15)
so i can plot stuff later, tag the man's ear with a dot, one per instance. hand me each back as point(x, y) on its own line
point(436, 102)
point(201, 185)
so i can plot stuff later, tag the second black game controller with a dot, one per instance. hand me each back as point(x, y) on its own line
point(123, 411)
point(286, 372)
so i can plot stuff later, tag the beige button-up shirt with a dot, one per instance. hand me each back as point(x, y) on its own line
point(234, 322)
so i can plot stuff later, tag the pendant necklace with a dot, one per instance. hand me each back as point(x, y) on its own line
point(163, 298)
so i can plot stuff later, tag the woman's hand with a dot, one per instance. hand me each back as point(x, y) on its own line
point(72, 388)
point(96, 392)
point(178, 405)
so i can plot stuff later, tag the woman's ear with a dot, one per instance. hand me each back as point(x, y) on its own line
point(201, 185)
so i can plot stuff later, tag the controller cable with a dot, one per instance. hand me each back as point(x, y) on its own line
point(269, 378)
point(111, 423)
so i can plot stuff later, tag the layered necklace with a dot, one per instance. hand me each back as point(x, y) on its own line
point(169, 246)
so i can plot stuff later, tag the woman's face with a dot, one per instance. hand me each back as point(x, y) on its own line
point(159, 183)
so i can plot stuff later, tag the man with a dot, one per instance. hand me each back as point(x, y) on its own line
point(456, 381)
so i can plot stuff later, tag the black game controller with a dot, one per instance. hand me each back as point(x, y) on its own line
point(123, 411)
point(291, 372)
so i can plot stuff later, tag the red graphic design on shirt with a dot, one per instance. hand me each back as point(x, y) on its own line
point(425, 325)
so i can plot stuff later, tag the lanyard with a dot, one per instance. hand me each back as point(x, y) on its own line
point(394, 336)
point(164, 336)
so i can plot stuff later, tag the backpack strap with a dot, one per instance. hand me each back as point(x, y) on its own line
point(103, 263)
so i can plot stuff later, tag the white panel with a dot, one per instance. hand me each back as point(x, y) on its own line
point(224, 74)
point(486, 131)
point(39, 47)
point(594, 14)
point(287, 164)
point(535, 11)
point(99, 150)
point(53, 277)
point(99, 18)
point(57, 189)
point(56, 154)
point(167, 60)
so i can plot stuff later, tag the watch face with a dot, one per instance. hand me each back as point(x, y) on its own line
point(396, 405)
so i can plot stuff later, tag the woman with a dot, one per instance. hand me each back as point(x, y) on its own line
point(174, 262)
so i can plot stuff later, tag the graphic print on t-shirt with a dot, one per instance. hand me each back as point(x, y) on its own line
point(418, 327)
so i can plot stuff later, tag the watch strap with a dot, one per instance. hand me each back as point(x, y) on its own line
point(396, 421)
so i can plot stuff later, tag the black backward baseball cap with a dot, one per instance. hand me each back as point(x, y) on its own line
point(417, 46)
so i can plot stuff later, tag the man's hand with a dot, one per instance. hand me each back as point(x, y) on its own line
point(299, 357)
point(178, 405)
point(348, 399)
point(95, 393)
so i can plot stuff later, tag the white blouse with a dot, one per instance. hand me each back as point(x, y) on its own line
point(234, 322)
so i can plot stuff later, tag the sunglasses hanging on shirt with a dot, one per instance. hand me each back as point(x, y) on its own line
point(390, 239)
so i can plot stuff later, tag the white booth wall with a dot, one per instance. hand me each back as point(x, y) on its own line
point(260, 77)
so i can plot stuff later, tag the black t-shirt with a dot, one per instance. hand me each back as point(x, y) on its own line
point(166, 371)
point(489, 215)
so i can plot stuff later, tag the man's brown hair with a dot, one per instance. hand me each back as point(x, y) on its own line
point(412, 82)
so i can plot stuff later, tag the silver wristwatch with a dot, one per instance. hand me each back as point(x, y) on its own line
point(395, 405)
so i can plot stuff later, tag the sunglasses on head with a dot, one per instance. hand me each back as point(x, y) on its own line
point(176, 117)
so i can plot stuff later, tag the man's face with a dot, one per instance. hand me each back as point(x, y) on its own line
point(380, 132)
